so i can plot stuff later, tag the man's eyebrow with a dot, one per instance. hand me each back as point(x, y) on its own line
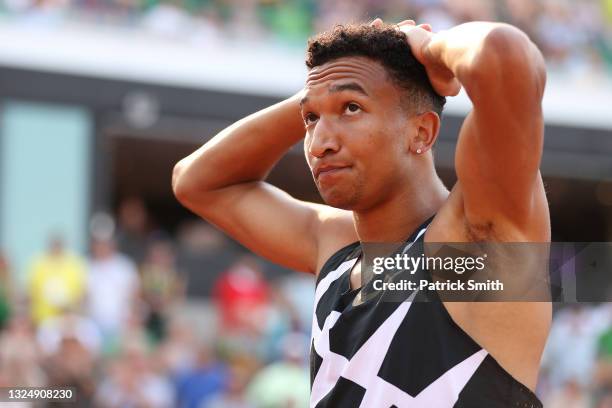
point(350, 86)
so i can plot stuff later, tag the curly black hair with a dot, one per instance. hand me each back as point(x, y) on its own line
point(386, 45)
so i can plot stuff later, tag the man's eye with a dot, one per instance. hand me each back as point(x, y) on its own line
point(352, 107)
point(310, 118)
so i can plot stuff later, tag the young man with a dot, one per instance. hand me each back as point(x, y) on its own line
point(371, 110)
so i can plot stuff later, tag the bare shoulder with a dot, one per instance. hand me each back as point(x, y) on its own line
point(336, 230)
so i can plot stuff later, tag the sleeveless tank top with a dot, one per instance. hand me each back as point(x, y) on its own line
point(398, 354)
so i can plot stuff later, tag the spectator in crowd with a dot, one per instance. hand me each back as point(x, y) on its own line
point(133, 382)
point(72, 365)
point(70, 345)
point(234, 395)
point(197, 386)
point(178, 351)
point(241, 295)
point(133, 229)
point(135, 329)
point(162, 286)
point(112, 287)
point(285, 383)
point(284, 316)
point(20, 356)
point(57, 281)
point(53, 332)
point(571, 351)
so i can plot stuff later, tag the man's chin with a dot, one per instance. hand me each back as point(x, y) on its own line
point(337, 200)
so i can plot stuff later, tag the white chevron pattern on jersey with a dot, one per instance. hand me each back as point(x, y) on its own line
point(363, 367)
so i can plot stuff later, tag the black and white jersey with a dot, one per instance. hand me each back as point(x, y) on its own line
point(389, 354)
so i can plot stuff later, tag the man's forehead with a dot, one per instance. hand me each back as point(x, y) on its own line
point(360, 69)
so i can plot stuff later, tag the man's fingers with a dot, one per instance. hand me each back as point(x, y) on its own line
point(377, 22)
point(406, 22)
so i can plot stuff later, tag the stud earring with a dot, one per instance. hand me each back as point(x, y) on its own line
point(418, 151)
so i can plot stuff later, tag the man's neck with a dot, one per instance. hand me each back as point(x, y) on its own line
point(395, 219)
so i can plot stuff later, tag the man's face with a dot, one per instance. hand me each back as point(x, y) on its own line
point(355, 143)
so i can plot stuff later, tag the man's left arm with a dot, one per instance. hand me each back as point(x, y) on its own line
point(500, 143)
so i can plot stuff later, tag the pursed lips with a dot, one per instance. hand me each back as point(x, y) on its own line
point(326, 169)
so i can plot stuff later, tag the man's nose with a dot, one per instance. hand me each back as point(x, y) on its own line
point(324, 139)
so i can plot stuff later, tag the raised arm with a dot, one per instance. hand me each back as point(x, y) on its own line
point(222, 182)
point(500, 144)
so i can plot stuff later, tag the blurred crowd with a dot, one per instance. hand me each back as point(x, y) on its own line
point(575, 35)
point(577, 362)
point(119, 326)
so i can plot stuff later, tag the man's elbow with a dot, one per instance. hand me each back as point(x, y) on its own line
point(515, 51)
point(180, 185)
point(191, 190)
point(507, 52)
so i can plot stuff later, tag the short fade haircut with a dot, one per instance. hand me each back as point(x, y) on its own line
point(386, 45)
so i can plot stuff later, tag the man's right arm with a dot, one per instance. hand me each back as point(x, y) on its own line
point(223, 183)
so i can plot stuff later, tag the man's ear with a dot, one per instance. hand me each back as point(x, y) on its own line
point(426, 128)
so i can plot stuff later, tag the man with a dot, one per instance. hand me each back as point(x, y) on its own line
point(56, 282)
point(371, 109)
point(113, 286)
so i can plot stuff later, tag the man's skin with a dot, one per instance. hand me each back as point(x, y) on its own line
point(372, 163)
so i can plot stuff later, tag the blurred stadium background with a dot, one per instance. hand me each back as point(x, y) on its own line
point(109, 286)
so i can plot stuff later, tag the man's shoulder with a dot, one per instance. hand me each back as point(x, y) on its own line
point(336, 232)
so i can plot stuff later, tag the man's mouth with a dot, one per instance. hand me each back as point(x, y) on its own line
point(328, 170)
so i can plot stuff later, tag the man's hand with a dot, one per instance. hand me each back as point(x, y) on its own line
point(441, 77)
